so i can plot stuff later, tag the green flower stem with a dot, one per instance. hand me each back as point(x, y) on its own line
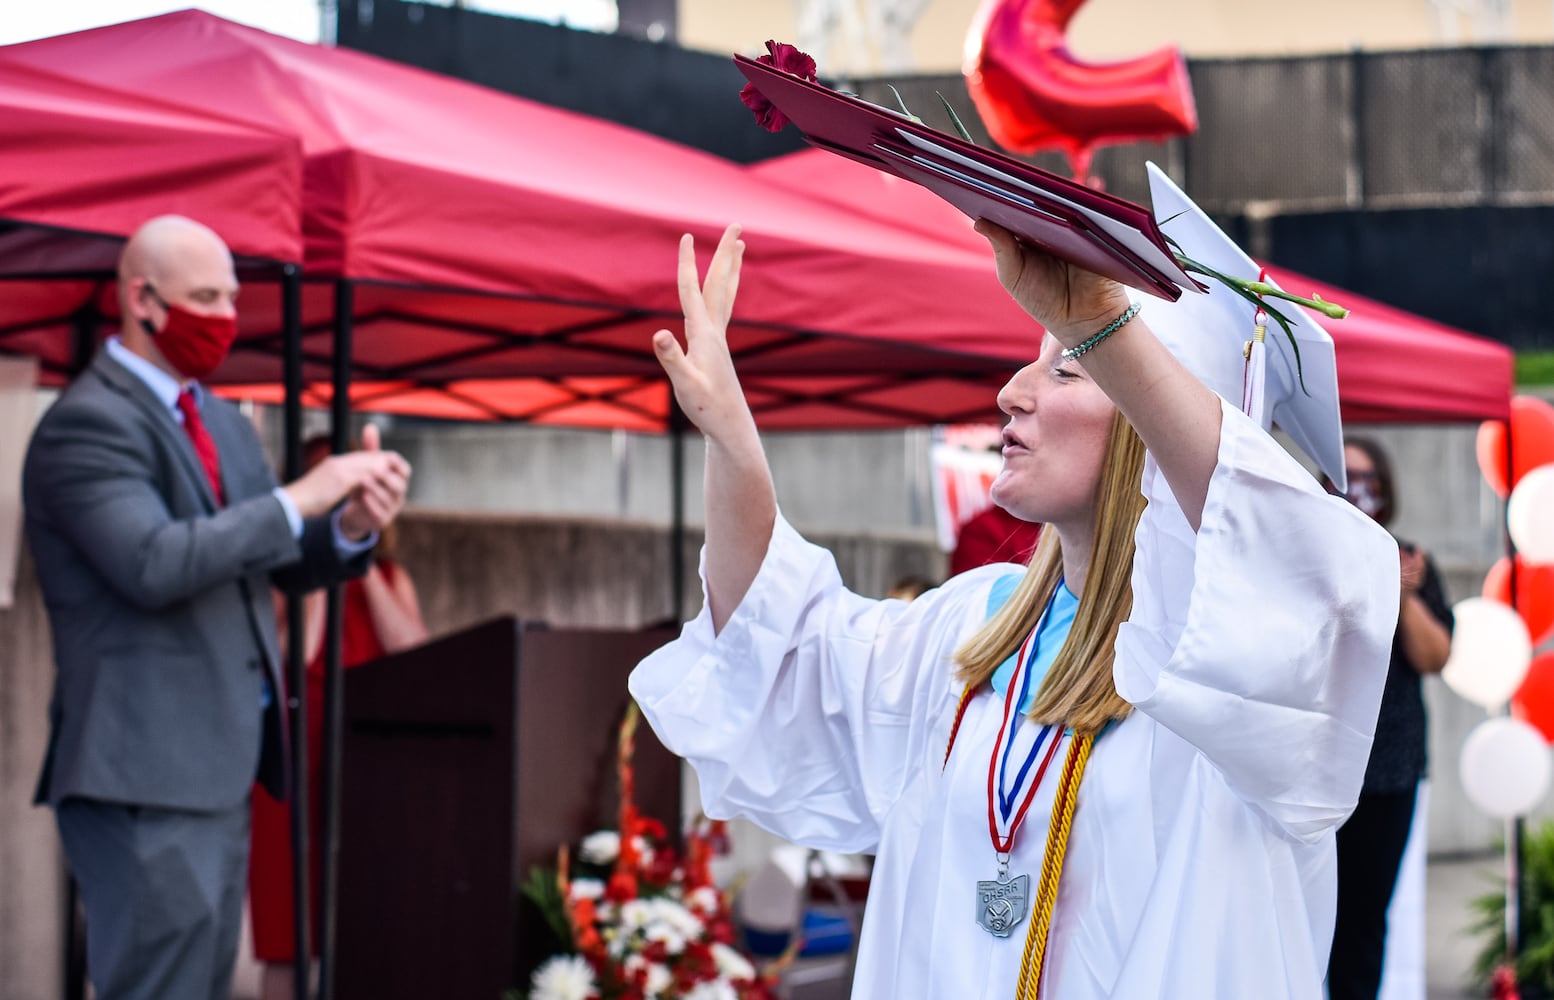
point(1241, 287)
point(1332, 310)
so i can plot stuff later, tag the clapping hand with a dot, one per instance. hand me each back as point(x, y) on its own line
point(1412, 565)
point(372, 483)
point(380, 495)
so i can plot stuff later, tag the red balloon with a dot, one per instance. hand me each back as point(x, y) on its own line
point(1534, 594)
point(1534, 702)
point(1033, 94)
point(1532, 424)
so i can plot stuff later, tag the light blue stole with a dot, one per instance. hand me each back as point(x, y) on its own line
point(1054, 631)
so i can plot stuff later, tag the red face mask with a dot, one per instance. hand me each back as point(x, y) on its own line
point(192, 343)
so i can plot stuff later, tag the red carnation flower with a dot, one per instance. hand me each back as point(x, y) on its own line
point(788, 59)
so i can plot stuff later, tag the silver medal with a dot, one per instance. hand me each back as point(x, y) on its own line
point(1002, 904)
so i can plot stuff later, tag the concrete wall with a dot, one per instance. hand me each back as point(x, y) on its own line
point(31, 872)
point(595, 574)
point(864, 482)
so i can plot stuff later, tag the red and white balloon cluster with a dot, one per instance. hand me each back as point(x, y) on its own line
point(1505, 762)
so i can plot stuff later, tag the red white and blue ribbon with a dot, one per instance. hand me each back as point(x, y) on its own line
point(1008, 801)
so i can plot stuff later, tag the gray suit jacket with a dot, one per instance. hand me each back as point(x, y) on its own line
point(159, 601)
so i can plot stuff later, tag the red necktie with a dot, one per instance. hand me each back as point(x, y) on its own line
point(203, 445)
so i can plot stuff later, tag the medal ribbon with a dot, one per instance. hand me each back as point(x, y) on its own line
point(1002, 833)
point(1006, 800)
point(971, 690)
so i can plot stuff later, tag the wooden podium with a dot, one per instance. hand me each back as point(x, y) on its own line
point(466, 762)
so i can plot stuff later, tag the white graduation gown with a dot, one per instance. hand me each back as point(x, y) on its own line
point(1201, 862)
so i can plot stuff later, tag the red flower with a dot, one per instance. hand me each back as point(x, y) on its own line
point(622, 888)
point(650, 828)
point(589, 942)
point(721, 930)
point(660, 872)
point(788, 59)
point(1504, 984)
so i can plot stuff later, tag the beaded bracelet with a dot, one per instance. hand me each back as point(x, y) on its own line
point(1070, 353)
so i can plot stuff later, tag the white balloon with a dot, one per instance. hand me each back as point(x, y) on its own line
point(1505, 767)
point(1490, 652)
point(1530, 515)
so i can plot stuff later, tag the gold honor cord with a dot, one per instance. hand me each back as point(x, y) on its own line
point(960, 713)
point(1052, 867)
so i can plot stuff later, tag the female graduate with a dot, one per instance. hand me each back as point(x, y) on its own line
point(1114, 773)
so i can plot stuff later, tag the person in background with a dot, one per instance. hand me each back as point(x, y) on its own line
point(382, 615)
point(1371, 843)
point(993, 536)
point(158, 530)
point(910, 587)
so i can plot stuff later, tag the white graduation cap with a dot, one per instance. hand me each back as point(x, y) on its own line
point(1209, 333)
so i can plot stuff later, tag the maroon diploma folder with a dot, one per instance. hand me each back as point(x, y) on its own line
point(1095, 230)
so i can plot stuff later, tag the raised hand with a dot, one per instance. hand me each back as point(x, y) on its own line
point(705, 384)
point(1069, 301)
point(741, 504)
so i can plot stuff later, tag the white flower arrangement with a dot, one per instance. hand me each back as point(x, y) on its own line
point(638, 922)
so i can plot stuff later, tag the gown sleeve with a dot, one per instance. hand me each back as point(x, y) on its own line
point(1263, 639)
point(812, 708)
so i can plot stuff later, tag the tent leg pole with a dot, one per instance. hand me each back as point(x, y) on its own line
point(334, 707)
point(83, 337)
point(296, 664)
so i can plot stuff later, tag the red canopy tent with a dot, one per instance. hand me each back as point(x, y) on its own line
point(62, 213)
point(490, 237)
point(1393, 366)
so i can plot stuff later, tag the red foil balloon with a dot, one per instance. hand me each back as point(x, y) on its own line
point(1033, 94)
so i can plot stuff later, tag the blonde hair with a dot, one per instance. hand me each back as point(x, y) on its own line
point(1078, 690)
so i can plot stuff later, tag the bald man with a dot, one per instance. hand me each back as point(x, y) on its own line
point(158, 531)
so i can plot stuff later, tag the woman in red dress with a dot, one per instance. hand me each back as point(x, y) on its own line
point(381, 616)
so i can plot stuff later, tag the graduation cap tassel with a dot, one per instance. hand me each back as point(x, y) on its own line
point(1254, 381)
